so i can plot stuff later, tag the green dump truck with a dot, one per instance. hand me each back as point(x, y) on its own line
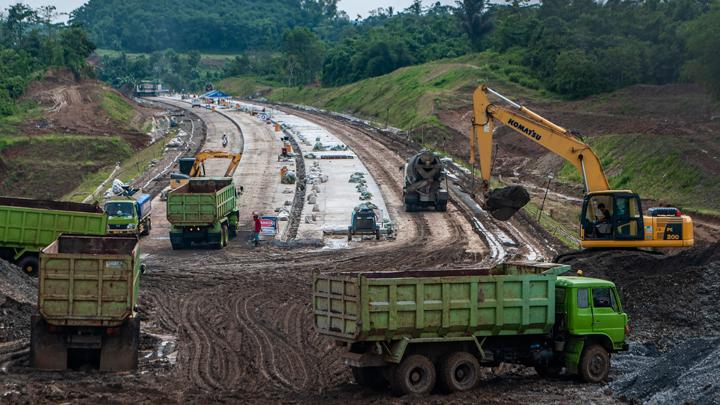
point(129, 215)
point(87, 295)
point(412, 329)
point(27, 226)
point(203, 211)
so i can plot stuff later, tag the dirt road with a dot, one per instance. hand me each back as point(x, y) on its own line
point(235, 325)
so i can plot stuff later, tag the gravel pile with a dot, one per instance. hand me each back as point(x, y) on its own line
point(18, 294)
point(689, 373)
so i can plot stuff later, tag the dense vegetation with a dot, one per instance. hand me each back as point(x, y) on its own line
point(573, 48)
point(226, 25)
point(29, 44)
point(178, 71)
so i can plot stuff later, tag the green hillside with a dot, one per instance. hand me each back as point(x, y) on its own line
point(640, 147)
point(408, 97)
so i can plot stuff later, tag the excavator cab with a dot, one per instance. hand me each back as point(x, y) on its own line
point(612, 215)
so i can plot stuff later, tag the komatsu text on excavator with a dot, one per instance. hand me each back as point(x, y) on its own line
point(609, 218)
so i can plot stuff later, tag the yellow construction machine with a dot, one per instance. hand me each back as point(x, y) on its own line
point(195, 167)
point(609, 218)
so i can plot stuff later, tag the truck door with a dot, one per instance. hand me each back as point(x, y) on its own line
point(606, 314)
point(582, 321)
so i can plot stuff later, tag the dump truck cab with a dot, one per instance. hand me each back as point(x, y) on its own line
point(588, 313)
point(128, 215)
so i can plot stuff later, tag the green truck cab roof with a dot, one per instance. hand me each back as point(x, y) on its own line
point(577, 281)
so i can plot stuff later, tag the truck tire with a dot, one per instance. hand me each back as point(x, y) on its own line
point(594, 364)
point(459, 371)
point(146, 228)
point(441, 206)
point(377, 234)
point(224, 234)
point(371, 377)
point(414, 376)
point(178, 245)
point(29, 264)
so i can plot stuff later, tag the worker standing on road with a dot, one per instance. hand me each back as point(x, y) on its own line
point(256, 230)
point(224, 140)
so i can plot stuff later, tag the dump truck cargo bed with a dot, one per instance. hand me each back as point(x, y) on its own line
point(509, 299)
point(201, 202)
point(33, 224)
point(89, 281)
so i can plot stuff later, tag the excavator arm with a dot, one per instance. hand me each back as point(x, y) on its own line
point(534, 127)
point(201, 157)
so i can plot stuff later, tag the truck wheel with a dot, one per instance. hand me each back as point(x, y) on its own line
point(232, 231)
point(441, 206)
point(371, 377)
point(177, 245)
point(147, 228)
point(29, 264)
point(377, 234)
point(459, 372)
point(414, 376)
point(594, 364)
point(224, 235)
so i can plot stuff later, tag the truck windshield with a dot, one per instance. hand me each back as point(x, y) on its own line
point(119, 209)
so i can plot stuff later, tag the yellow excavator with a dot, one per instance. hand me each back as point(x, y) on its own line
point(195, 167)
point(609, 218)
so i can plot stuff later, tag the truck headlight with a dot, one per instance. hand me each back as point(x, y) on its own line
point(131, 226)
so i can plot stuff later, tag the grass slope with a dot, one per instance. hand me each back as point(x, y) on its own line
point(46, 166)
point(408, 97)
point(657, 167)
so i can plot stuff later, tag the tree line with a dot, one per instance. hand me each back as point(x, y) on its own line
point(30, 43)
point(574, 48)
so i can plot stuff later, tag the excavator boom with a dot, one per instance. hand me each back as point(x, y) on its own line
point(201, 157)
point(536, 128)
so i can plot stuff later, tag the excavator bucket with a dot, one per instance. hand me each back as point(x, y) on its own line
point(503, 203)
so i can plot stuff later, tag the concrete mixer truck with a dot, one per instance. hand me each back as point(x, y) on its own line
point(425, 183)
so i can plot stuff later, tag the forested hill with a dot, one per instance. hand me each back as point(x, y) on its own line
point(222, 25)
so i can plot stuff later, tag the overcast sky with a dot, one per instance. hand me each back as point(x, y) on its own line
point(352, 7)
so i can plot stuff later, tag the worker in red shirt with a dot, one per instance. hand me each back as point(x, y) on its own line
point(256, 229)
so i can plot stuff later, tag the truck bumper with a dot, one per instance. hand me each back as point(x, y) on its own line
point(121, 232)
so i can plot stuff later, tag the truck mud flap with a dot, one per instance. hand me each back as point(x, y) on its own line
point(119, 351)
point(48, 351)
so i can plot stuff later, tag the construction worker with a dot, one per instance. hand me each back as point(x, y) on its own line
point(256, 229)
point(224, 140)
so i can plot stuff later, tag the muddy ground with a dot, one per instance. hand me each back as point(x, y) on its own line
point(236, 325)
